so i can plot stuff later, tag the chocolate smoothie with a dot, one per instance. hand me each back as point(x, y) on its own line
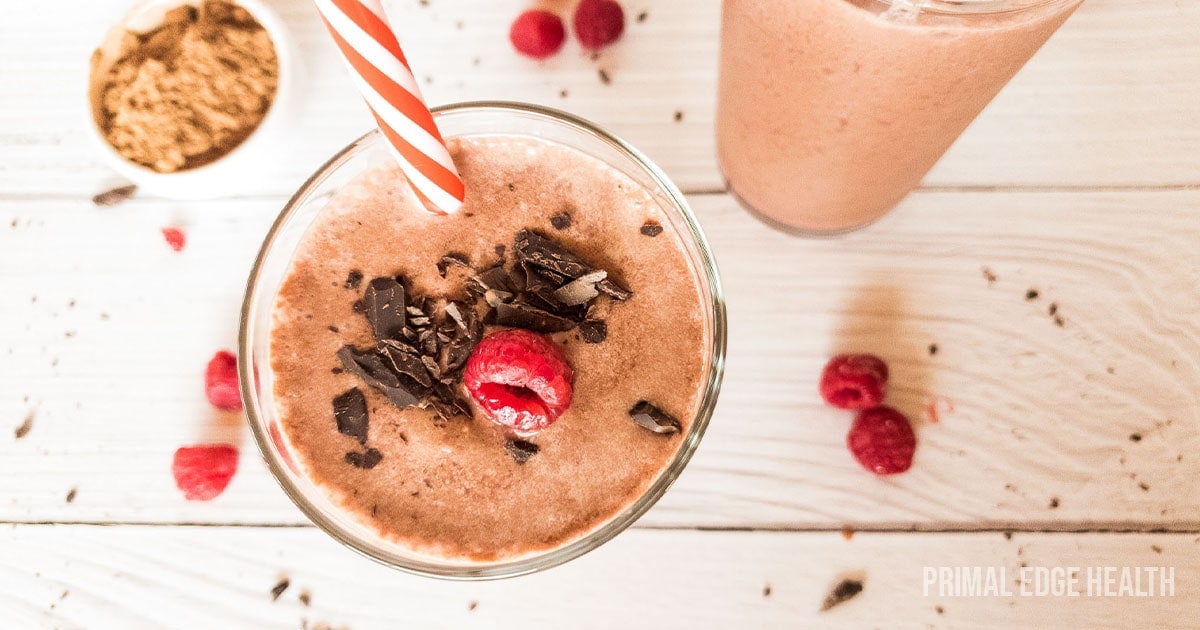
point(454, 485)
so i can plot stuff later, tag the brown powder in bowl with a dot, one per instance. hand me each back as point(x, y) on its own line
point(189, 91)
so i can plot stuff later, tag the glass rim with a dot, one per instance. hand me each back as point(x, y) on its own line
point(593, 539)
point(977, 7)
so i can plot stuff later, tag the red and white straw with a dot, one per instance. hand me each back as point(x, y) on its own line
point(379, 70)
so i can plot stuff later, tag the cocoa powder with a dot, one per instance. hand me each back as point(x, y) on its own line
point(188, 92)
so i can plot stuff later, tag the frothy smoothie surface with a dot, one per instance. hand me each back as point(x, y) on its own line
point(449, 487)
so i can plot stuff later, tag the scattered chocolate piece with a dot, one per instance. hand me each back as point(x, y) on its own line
point(1053, 502)
point(370, 367)
point(1031, 295)
point(334, 329)
point(71, 495)
point(354, 280)
point(453, 259)
point(1008, 535)
point(500, 249)
point(521, 450)
point(114, 196)
point(593, 330)
point(989, 275)
point(845, 591)
point(336, 370)
point(531, 318)
point(678, 115)
point(654, 419)
point(491, 279)
point(613, 290)
point(279, 588)
point(561, 221)
point(604, 77)
point(652, 229)
point(26, 426)
point(350, 411)
point(384, 303)
point(1144, 486)
point(366, 460)
point(1052, 309)
point(939, 610)
point(473, 605)
point(641, 17)
point(1135, 437)
point(305, 598)
point(933, 349)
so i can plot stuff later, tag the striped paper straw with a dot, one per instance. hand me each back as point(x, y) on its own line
point(379, 70)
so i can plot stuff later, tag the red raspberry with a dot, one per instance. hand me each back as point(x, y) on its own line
point(599, 23)
point(882, 440)
point(221, 382)
point(203, 471)
point(520, 378)
point(854, 381)
point(175, 238)
point(537, 33)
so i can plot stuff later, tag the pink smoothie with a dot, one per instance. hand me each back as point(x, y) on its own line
point(829, 113)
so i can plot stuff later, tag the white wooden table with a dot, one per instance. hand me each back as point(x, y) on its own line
point(1081, 181)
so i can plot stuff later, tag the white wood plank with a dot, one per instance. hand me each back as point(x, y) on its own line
point(1041, 412)
point(1110, 101)
point(152, 577)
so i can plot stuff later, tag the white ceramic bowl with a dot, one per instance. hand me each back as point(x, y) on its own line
point(235, 172)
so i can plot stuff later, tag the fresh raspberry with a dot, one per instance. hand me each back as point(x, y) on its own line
point(520, 378)
point(202, 472)
point(175, 238)
point(538, 34)
point(221, 382)
point(854, 381)
point(599, 23)
point(882, 440)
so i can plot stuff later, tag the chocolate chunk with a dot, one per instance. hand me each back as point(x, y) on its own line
point(406, 360)
point(538, 250)
point(366, 460)
point(374, 371)
point(114, 196)
point(532, 318)
point(491, 279)
point(521, 450)
point(453, 259)
point(354, 280)
point(500, 249)
point(279, 588)
point(593, 330)
point(614, 290)
point(580, 290)
point(358, 307)
point(843, 592)
point(384, 301)
point(561, 221)
point(654, 419)
point(350, 411)
point(651, 229)
point(431, 364)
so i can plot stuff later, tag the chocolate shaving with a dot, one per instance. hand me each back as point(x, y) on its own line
point(279, 588)
point(531, 318)
point(492, 279)
point(561, 221)
point(843, 592)
point(350, 411)
point(538, 250)
point(405, 360)
point(613, 290)
point(384, 302)
point(372, 369)
point(521, 450)
point(354, 280)
point(365, 460)
point(114, 196)
point(593, 330)
point(651, 229)
point(654, 419)
point(580, 290)
point(453, 259)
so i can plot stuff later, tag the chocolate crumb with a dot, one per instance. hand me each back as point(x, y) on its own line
point(521, 450)
point(1052, 309)
point(1031, 295)
point(1059, 321)
point(333, 329)
point(847, 533)
point(939, 610)
point(114, 196)
point(305, 598)
point(651, 229)
point(1008, 535)
point(1135, 437)
point(593, 330)
point(1144, 486)
point(472, 606)
point(500, 249)
point(766, 592)
point(1155, 548)
point(654, 419)
point(336, 370)
point(604, 77)
point(71, 495)
point(989, 276)
point(354, 280)
point(512, 187)
point(1053, 502)
point(25, 427)
point(641, 17)
point(279, 588)
point(933, 349)
point(453, 259)
point(561, 221)
point(842, 593)
point(358, 307)
point(678, 115)
point(366, 460)
point(561, 94)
